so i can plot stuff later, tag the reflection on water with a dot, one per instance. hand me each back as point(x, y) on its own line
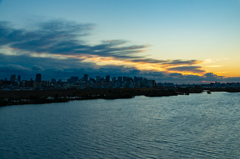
point(194, 126)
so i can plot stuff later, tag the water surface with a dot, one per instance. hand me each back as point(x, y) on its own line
point(194, 126)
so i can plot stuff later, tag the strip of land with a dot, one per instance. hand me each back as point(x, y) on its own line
point(65, 95)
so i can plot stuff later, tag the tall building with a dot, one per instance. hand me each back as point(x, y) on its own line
point(114, 79)
point(108, 78)
point(85, 77)
point(59, 81)
point(151, 83)
point(73, 79)
point(135, 79)
point(53, 81)
point(92, 80)
point(38, 77)
point(98, 78)
point(13, 78)
point(19, 78)
point(125, 78)
point(119, 79)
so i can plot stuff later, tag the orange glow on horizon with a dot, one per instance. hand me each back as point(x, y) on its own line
point(205, 65)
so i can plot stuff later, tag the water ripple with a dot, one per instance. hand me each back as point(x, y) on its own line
point(194, 126)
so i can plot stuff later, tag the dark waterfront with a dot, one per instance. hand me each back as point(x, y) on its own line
point(194, 126)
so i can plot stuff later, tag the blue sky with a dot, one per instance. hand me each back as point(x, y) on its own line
point(206, 31)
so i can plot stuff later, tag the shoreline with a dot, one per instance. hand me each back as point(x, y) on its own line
point(8, 98)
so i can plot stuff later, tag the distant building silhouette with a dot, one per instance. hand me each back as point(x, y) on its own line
point(38, 77)
point(125, 78)
point(13, 78)
point(73, 79)
point(19, 78)
point(119, 79)
point(114, 79)
point(85, 77)
point(53, 81)
point(108, 78)
point(92, 80)
point(98, 78)
point(135, 79)
point(28, 84)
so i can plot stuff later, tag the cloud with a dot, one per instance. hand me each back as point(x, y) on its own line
point(12, 68)
point(212, 77)
point(175, 74)
point(193, 69)
point(63, 38)
point(65, 68)
point(37, 68)
point(43, 62)
point(148, 60)
point(57, 49)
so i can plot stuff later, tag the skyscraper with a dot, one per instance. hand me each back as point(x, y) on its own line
point(98, 78)
point(19, 78)
point(13, 78)
point(53, 81)
point(125, 78)
point(85, 77)
point(135, 79)
point(108, 78)
point(38, 77)
point(119, 79)
point(114, 79)
point(73, 79)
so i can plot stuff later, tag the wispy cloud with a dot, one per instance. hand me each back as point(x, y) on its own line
point(214, 66)
point(192, 69)
point(60, 37)
point(66, 38)
point(37, 68)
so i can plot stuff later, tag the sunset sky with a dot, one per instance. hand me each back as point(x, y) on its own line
point(180, 41)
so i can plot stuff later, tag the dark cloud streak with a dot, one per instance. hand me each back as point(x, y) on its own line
point(62, 37)
point(193, 69)
point(58, 37)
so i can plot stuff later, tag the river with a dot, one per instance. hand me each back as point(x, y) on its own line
point(195, 126)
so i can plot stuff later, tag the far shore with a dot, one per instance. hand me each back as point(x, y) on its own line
point(58, 96)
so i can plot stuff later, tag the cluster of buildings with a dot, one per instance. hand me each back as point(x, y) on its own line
point(15, 83)
point(206, 86)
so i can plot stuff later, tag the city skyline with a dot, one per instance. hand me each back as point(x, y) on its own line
point(75, 82)
point(168, 41)
point(92, 79)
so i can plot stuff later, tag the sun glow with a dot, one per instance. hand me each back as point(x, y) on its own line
point(205, 66)
point(141, 65)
